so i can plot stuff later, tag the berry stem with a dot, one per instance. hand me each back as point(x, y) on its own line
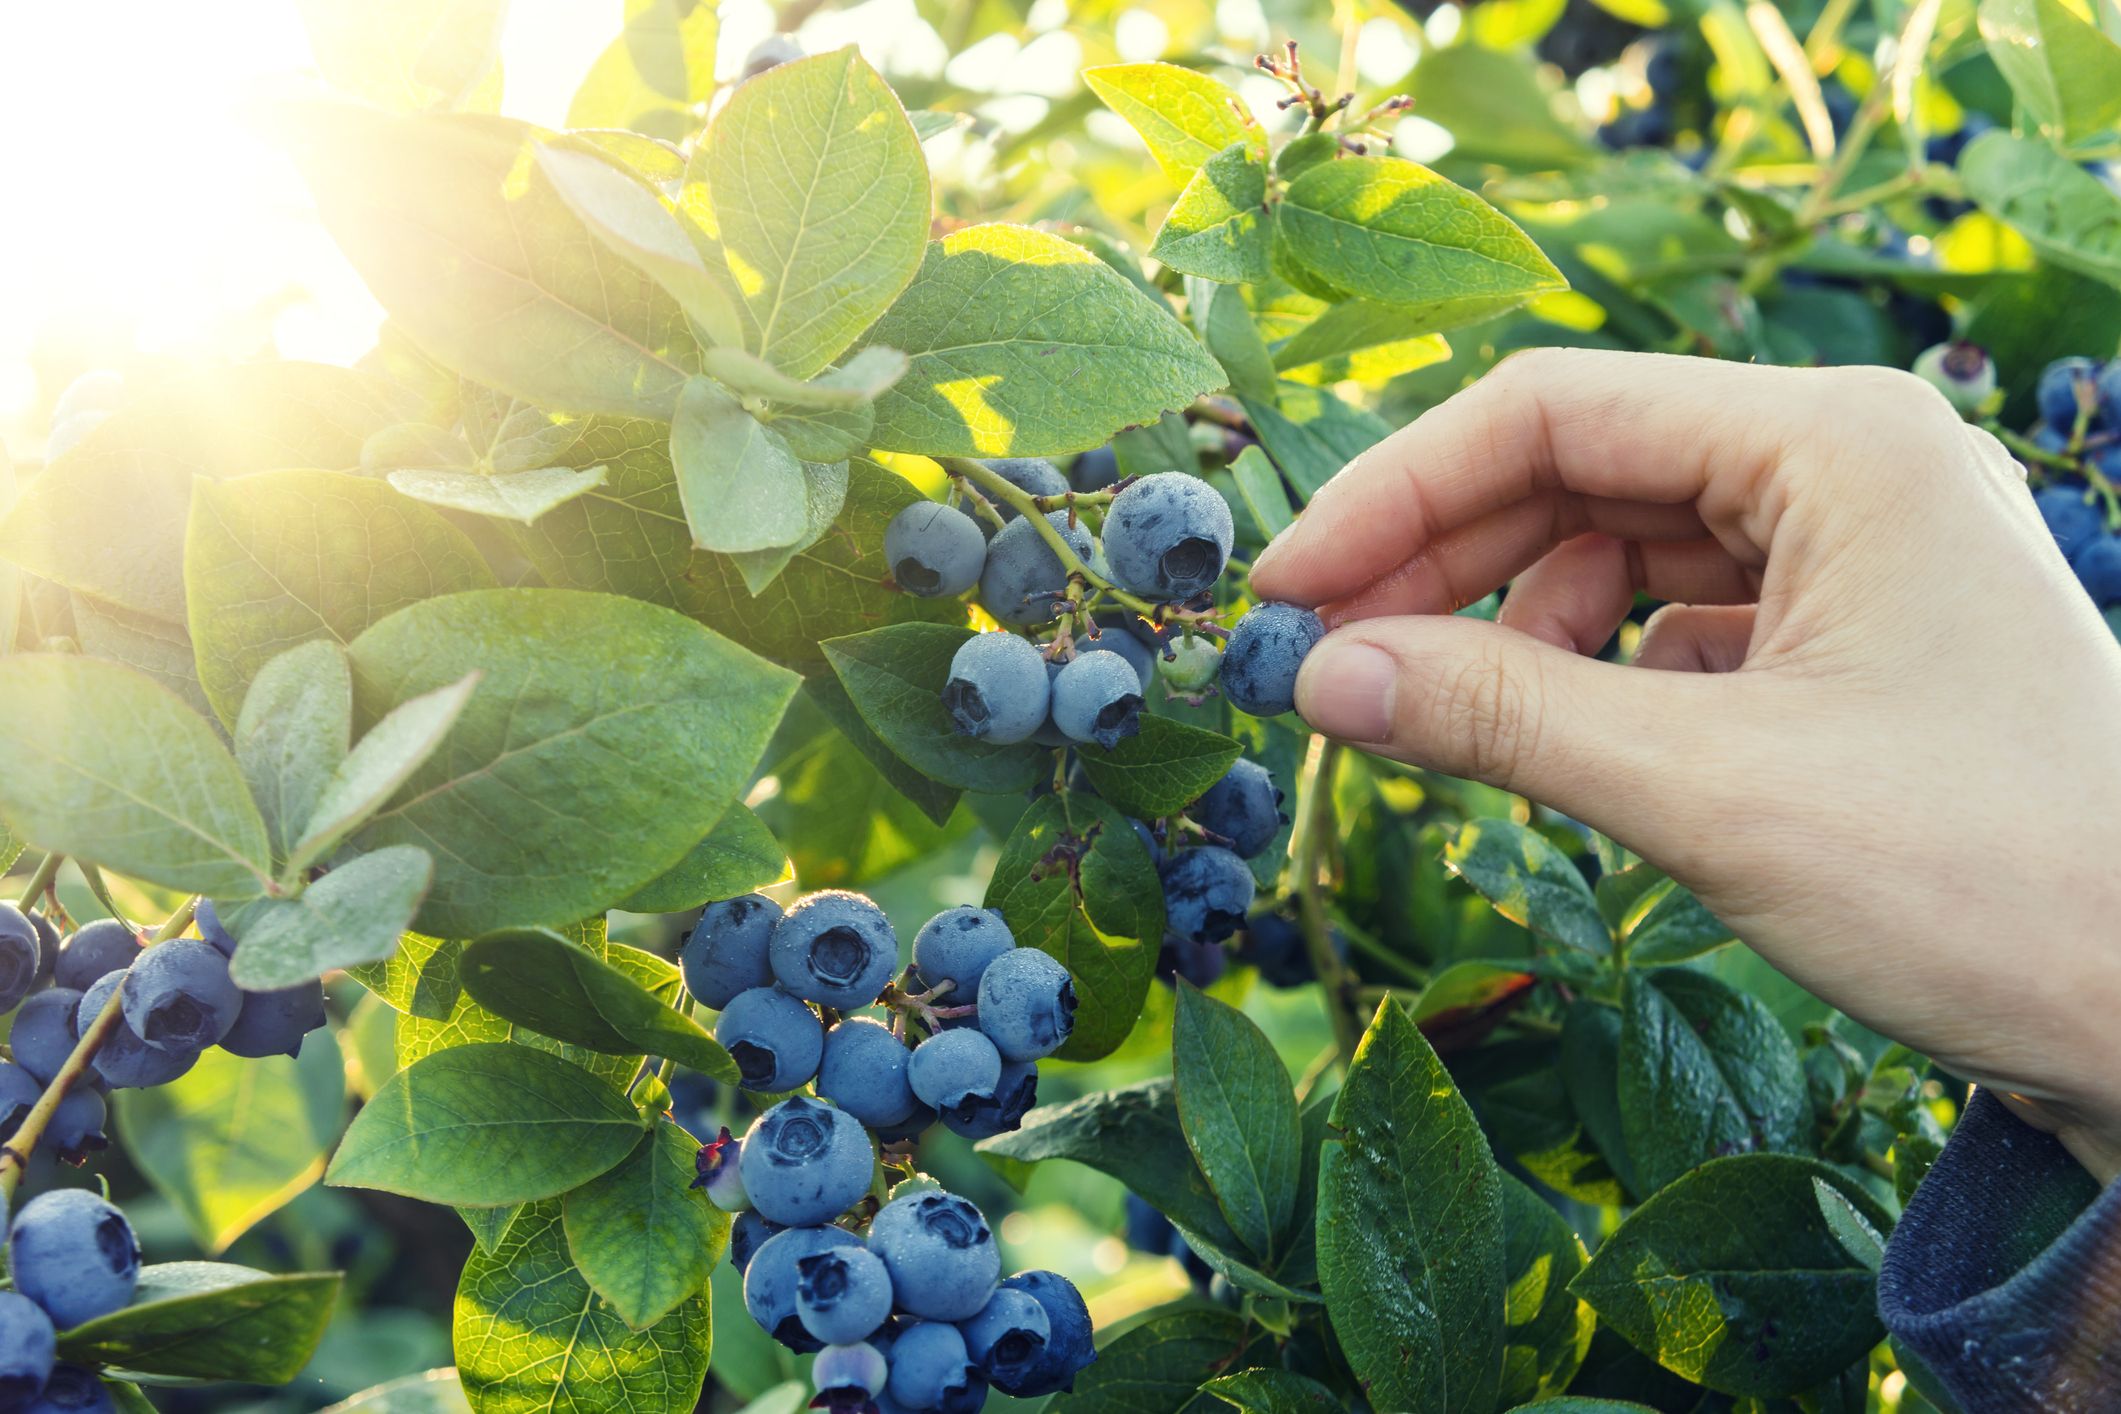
point(1315, 826)
point(15, 1156)
point(42, 879)
point(992, 484)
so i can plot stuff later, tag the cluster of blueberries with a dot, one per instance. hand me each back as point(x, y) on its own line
point(915, 1317)
point(177, 1000)
point(72, 1257)
point(2080, 417)
point(1200, 861)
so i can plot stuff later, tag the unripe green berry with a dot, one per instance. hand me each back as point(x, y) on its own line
point(1193, 666)
point(1963, 372)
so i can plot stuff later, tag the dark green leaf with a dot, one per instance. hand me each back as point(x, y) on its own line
point(1156, 1367)
point(1312, 434)
point(1271, 1391)
point(1547, 1329)
point(894, 677)
point(737, 856)
point(210, 1321)
point(845, 823)
point(1161, 770)
point(1264, 495)
point(642, 1235)
point(934, 799)
point(1225, 325)
point(1675, 928)
point(1530, 882)
point(1238, 1113)
point(1590, 1069)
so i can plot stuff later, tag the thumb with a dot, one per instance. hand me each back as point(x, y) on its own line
point(1482, 701)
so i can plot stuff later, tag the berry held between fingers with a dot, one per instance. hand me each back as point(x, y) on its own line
point(940, 1253)
point(997, 688)
point(1097, 698)
point(727, 952)
point(74, 1254)
point(1265, 650)
point(774, 1039)
point(1026, 1005)
point(806, 1162)
point(834, 948)
point(1168, 536)
point(934, 550)
point(1024, 580)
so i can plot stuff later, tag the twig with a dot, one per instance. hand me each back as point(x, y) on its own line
point(41, 880)
point(1307, 848)
point(993, 484)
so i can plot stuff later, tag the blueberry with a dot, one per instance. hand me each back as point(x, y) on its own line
point(73, 1254)
point(774, 1039)
point(208, 920)
point(771, 1276)
point(913, 1126)
point(864, 1073)
point(1207, 893)
point(2098, 567)
point(73, 1389)
point(1244, 807)
point(1024, 580)
point(843, 1295)
point(1200, 963)
point(1147, 1229)
point(124, 1060)
point(848, 1377)
point(942, 1258)
point(806, 1162)
point(934, 550)
point(178, 996)
point(956, 945)
point(47, 946)
point(747, 1233)
point(953, 1067)
point(1275, 945)
point(726, 953)
point(45, 1032)
point(274, 1023)
point(27, 1343)
point(2048, 440)
point(1014, 1095)
point(1035, 475)
point(1068, 1335)
point(1111, 638)
point(103, 947)
point(2072, 517)
point(997, 689)
point(717, 1168)
point(19, 1091)
point(1265, 650)
point(1047, 733)
point(931, 1369)
point(2107, 386)
point(2057, 391)
point(1026, 1004)
point(1168, 536)
point(1007, 1339)
point(1094, 470)
point(1097, 697)
point(77, 1124)
point(1192, 665)
point(834, 948)
point(770, 53)
point(1147, 836)
point(1961, 371)
point(21, 956)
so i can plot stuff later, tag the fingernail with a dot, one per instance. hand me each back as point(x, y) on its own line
point(1347, 691)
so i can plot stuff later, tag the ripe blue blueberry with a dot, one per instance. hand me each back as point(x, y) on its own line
point(274, 1023)
point(747, 1233)
point(997, 689)
point(953, 1067)
point(73, 1254)
point(1035, 475)
point(1014, 1095)
point(97, 950)
point(1244, 807)
point(45, 1032)
point(864, 1072)
point(717, 1168)
point(124, 1060)
point(1192, 665)
point(1147, 1230)
point(1275, 945)
point(1026, 1004)
point(27, 1342)
point(726, 953)
point(956, 945)
point(931, 1369)
point(208, 919)
point(774, 1039)
point(2058, 390)
point(2098, 567)
point(1265, 650)
point(848, 1377)
point(1007, 1339)
point(913, 1126)
point(1047, 733)
point(178, 996)
point(1207, 892)
point(1168, 536)
point(21, 956)
point(1147, 836)
point(1963, 372)
point(942, 1258)
point(805, 1162)
point(1069, 1349)
point(1199, 963)
point(843, 1295)
point(934, 550)
point(770, 1279)
point(2107, 387)
point(2072, 517)
point(77, 1124)
point(19, 1091)
point(1094, 470)
point(1097, 697)
point(834, 948)
point(1024, 580)
point(47, 946)
point(73, 1389)
point(1112, 637)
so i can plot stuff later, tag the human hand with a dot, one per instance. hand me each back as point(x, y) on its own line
point(1875, 729)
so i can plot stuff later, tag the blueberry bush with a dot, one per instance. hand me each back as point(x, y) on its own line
point(738, 745)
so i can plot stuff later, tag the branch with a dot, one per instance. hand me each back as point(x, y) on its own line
point(1315, 828)
point(996, 486)
point(42, 879)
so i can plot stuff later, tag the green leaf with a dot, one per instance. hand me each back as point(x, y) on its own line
point(1238, 1113)
point(541, 981)
point(1156, 1367)
point(930, 796)
point(354, 914)
point(739, 855)
point(625, 713)
point(161, 650)
point(1218, 227)
point(824, 488)
point(276, 559)
point(642, 1235)
point(486, 1125)
point(1850, 1227)
point(210, 1321)
point(2068, 215)
point(1675, 928)
point(429, 1392)
point(293, 731)
point(504, 495)
point(1271, 1391)
point(736, 477)
point(532, 1336)
point(1530, 882)
point(1261, 488)
point(1075, 881)
point(894, 677)
point(1002, 317)
point(231, 1141)
point(653, 76)
point(379, 763)
point(1161, 770)
point(1410, 1228)
point(1578, 1404)
point(419, 979)
point(98, 762)
point(1374, 342)
point(489, 1225)
point(821, 195)
point(1382, 228)
point(1705, 1071)
point(1470, 985)
point(1590, 1072)
point(2062, 69)
point(1547, 1330)
point(1311, 434)
point(460, 235)
point(1768, 1306)
point(1185, 117)
point(856, 384)
point(1225, 325)
point(405, 54)
point(1491, 97)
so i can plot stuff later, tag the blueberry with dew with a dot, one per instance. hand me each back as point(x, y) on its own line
point(124, 1060)
point(934, 551)
point(956, 945)
point(843, 1295)
point(1265, 650)
point(1026, 1005)
point(178, 996)
point(864, 1073)
point(1097, 698)
point(73, 1253)
point(942, 1257)
point(774, 1039)
point(1024, 580)
point(727, 952)
point(1168, 536)
point(1207, 893)
point(997, 689)
point(806, 1162)
point(771, 1279)
point(1244, 807)
point(834, 948)
point(1069, 1349)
